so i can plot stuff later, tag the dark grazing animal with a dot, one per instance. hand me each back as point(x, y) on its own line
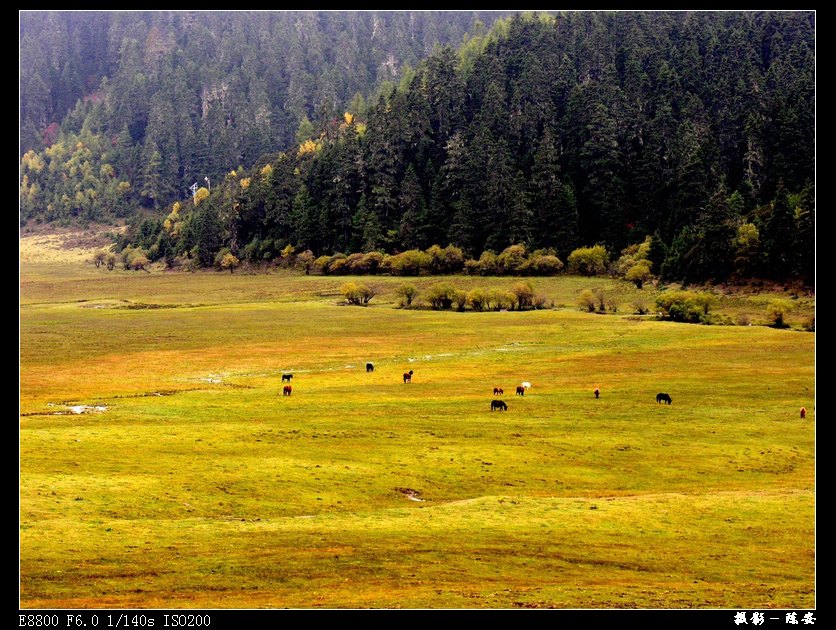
point(286, 378)
point(663, 398)
point(287, 390)
point(407, 377)
point(369, 367)
point(498, 405)
point(497, 390)
point(803, 413)
point(520, 390)
point(597, 392)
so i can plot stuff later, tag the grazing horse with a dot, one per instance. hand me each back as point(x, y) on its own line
point(597, 392)
point(287, 390)
point(369, 367)
point(407, 377)
point(498, 405)
point(803, 413)
point(497, 390)
point(286, 378)
point(520, 390)
point(663, 398)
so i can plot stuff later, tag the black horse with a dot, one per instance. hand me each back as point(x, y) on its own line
point(407, 377)
point(663, 398)
point(498, 405)
point(286, 378)
point(369, 367)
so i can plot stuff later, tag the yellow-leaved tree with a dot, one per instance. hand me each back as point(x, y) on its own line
point(201, 194)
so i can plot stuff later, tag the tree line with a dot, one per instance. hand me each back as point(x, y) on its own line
point(690, 131)
point(168, 98)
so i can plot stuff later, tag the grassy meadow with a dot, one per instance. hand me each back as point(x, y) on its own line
point(195, 484)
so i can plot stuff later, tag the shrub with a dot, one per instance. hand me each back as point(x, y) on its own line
point(744, 320)
point(542, 265)
point(523, 294)
point(497, 300)
point(229, 261)
point(471, 267)
point(358, 294)
point(589, 261)
point(354, 264)
point(601, 300)
point(540, 301)
point(477, 298)
point(437, 262)
point(134, 258)
point(139, 261)
point(776, 312)
point(406, 293)
point(409, 263)
point(639, 273)
point(305, 261)
point(686, 306)
point(586, 300)
point(372, 262)
point(639, 306)
point(440, 296)
point(453, 259)
point(511, 260)
point(487, 264)
point(99, 257)
point(460, 299)
point(632, 254)
point(320, 265)
point(287, 254)
point(338, 265)
point(220, 256)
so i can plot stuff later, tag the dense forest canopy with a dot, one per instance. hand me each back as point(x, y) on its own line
point(693, 128)
point(185, 95)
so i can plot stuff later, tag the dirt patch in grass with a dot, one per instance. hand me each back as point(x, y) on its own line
point(411, 494)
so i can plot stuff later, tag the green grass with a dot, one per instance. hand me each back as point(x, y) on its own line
point(199, 486)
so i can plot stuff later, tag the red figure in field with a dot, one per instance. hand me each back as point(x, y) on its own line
point(803, 413)
point(287, 390)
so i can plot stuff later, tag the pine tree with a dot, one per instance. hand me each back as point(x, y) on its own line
point(778, 236)
point(151, 175)
point(553, 201)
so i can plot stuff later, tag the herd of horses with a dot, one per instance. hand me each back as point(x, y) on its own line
point(496, 404)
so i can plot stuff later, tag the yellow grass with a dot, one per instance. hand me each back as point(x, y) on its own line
point(200, 486)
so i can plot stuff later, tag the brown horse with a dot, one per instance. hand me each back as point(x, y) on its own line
point(498, 405)
point(497, 390)
point(597, 392)
point(520, 390)
point(287, 390)
point(407, 377)
point(803, 413)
